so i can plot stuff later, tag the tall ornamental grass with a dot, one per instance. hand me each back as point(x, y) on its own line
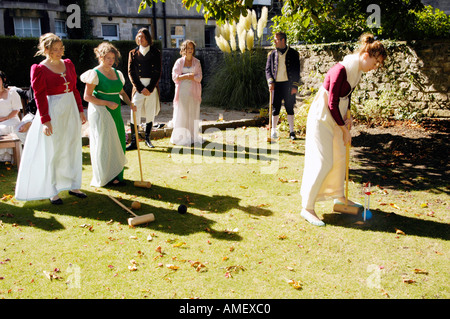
point(239, 81)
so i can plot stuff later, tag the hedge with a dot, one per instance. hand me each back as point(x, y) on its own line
point(17, 57)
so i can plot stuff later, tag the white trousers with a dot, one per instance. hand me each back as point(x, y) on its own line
point(147, 106)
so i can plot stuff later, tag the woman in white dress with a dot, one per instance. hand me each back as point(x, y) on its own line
point(187, 75)
point(104, 89)
point(327, 132)
point(10, 106)
point(52, 155)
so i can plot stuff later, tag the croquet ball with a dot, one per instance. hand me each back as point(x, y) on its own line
point(135, 205)
point(182, 209)
point(368, 214)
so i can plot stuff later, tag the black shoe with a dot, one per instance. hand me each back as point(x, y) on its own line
point(148, 132)
point(132, 145)
point(149, 144)
point(56, 201)
point(292, 136)
point(79, 195)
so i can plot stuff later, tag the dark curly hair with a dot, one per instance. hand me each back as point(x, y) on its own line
point(4, 79)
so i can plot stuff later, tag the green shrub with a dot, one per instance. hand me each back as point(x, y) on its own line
point(431, 23)
point(239, 82)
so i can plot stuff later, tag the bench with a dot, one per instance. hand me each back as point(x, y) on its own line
point(12, 141)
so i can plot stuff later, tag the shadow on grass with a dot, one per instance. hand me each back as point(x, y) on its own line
point(260, 151)
point(389, 223)
point(97, 206)
point(403, 163)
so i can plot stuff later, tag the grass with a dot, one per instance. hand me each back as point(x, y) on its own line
point(242, 237)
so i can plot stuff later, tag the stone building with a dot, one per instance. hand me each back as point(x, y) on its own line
point(109, 19)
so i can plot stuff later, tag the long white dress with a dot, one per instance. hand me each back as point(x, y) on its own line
point(51, 164)
point(324, 170)
point(11, 103)
point(107, 154)
point(186, 116)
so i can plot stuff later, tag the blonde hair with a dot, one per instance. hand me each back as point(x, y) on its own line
point(373, 47)
point(184, 47)
point(104, 48)
point(46, 41)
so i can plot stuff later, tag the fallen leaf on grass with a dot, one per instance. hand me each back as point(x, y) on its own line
point(179, 244)
point(171, 266)
point(199, 267)
point(284, 180)
point(52, 275)
point(132, 268)
point(295, 284)
point(281, 237)
point(409, 281)
point(420, 271)
point(394, 205)
point(6, 197)
point(399, 232)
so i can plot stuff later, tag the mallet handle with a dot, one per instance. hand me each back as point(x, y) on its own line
point(137, 144)
point(123, 206)
point(347, 163)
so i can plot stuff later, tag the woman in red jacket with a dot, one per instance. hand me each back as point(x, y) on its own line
point(52, 157)
point(327, 131)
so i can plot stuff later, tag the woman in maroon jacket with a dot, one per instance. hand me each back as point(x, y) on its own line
point(327, 131)
point(52, 155)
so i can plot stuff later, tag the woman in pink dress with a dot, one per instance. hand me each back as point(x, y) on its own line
point(52, 156)
point(187, 75)
point(327, 131)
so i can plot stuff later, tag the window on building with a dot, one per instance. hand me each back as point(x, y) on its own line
point(61, 29)
point(210, 32)
point(110, 32)
point(177, 35)
point(27, 27)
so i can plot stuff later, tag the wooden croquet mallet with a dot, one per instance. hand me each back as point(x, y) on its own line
point(345, 208)
point(269, 139)
point(140, 183)
point(136, 220)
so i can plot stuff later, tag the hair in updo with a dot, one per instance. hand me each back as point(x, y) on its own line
point(45, 43)
point(374, 47)
point(104, 48)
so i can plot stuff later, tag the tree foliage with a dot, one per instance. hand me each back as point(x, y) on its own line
point(318, 21)
point(220, 10)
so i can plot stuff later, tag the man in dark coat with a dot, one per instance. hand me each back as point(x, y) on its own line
point(144, 71)
point(283, 77)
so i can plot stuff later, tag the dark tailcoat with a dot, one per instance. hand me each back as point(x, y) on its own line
point(148, 66)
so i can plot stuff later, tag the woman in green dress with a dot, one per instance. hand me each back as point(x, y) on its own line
point(104, 90)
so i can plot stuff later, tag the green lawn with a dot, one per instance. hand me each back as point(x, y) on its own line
point(242, 236)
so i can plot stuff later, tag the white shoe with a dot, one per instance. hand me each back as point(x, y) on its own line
point(274, 135)
point(311, 219)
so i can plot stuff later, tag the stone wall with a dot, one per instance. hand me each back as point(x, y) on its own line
point(416, 75)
